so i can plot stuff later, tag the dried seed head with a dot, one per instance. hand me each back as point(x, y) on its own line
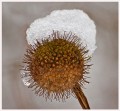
point(55, 65)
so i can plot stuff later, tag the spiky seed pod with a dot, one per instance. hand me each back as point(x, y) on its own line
point(55, 65)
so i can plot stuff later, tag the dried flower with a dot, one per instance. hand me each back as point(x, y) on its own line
point(55, 65)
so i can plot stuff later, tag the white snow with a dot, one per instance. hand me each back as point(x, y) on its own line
point(26, 79)
point(76, 21)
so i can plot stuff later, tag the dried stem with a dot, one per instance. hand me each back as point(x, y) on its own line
point(81, 97)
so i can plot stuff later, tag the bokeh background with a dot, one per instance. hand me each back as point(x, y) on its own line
point(102, 92)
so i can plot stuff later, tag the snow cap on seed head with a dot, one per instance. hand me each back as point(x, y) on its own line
point(76, 21)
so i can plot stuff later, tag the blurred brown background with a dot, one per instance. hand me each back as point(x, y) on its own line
point(102, 92)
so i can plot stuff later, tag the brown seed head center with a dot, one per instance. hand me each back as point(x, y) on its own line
point(57, 65)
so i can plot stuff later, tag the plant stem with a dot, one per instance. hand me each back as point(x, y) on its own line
point(81, 97)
